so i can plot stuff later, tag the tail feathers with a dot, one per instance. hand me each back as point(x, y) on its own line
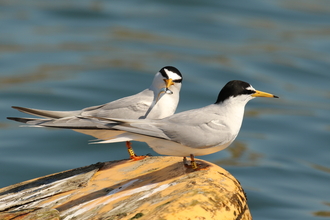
point(22, 120)
point(46, 113)
point(67, 123)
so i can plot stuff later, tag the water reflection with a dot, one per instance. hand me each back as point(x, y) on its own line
point(42, 73)
point(323, 213)
point(320, 167)
point(240, 155)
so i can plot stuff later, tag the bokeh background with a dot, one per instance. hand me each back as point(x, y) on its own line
point(67, 55)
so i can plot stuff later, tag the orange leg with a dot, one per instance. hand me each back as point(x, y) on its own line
point(131, 153)
point(193, 163)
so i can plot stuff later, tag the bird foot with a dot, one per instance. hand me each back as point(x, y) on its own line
point(193, 164)
point(131, 153)
point(136, 158)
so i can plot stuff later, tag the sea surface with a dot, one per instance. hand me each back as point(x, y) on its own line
point(67, 55)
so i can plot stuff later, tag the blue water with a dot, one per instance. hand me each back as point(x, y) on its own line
point(67, 55)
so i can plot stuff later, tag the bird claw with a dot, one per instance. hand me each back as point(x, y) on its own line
point(193, 164)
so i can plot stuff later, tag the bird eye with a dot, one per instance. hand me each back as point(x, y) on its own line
point(177, 80)
point(249, 92)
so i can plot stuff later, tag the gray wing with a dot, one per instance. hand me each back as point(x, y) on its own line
point(133, 106)
point(148, 127)
point(196, 128)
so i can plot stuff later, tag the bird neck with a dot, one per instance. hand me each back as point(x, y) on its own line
point(157, 82)
point(233, 110)
point(166, 104)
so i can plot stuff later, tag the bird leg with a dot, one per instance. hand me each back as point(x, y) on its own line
point(185, 162)
point(193, 163)
point(131, 153)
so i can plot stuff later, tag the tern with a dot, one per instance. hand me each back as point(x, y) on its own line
point(160, 100)
point(191, 133)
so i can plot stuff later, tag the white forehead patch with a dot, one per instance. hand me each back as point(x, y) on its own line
point(172, 75)
point(251, 88)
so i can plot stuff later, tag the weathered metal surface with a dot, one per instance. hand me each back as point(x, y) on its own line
point(153, 188)
point(34, 190)
point(31, 214)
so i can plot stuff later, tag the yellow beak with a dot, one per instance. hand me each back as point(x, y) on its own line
point(168, 83)
point(263, 94)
